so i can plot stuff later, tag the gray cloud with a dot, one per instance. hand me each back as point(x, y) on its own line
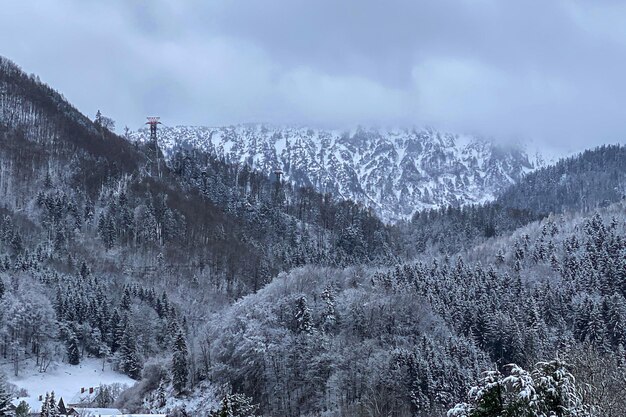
point(551, 71)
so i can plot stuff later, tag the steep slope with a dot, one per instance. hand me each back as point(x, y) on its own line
point(87, 187)
point(395, 172)
point(42, 134)
point(583, 182)
point(103, 256)
point(81, 185)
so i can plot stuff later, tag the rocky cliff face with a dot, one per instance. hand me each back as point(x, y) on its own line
point(396, 172)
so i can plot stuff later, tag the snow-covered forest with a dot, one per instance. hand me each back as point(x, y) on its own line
point(224, 290)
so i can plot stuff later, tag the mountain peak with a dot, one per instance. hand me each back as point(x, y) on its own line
point(393, 171)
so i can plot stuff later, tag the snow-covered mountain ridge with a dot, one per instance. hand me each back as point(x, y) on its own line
point(396, 172)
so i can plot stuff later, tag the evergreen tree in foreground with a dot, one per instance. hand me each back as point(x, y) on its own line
point(53, 410)
point(5, 396)
point(22, 409)
point(45, 406)
point(548, 391)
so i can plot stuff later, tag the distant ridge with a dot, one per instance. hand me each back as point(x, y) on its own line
point(395, 172)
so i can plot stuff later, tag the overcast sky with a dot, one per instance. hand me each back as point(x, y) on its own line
point(551, 71)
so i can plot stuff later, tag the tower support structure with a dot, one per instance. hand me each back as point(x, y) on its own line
point(153, 122)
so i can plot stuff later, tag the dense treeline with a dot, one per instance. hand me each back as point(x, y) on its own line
point(449, 230)
point(410, 340)
point(90, 240)
point(584, 183)
point(297, 225)
point(91, 230)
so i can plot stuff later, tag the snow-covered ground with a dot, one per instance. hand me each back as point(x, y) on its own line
point(65, 380)
point(204, 398)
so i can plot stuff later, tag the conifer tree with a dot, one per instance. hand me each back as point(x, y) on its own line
point(303, 316)
point(126, 300)
point(548, 390)
point(5, 396)
point(235, 405)
point(161, 396)
point(73, 353)
point(330, 314)
point(117, 325)
point(53, 410)
point(45, 406)
point(180, 370)
point(22, 409)
point(98, 120)
point(130, 363)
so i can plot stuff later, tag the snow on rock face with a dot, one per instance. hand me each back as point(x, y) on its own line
point(395, 172)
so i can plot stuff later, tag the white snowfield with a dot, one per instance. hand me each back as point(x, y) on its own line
point(65, 380)
point(99, 412)
point(110, 412)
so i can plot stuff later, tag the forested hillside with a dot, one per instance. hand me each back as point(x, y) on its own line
point(411, 340)
point(212, 283)
point(92, 233)
point(590, 180)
